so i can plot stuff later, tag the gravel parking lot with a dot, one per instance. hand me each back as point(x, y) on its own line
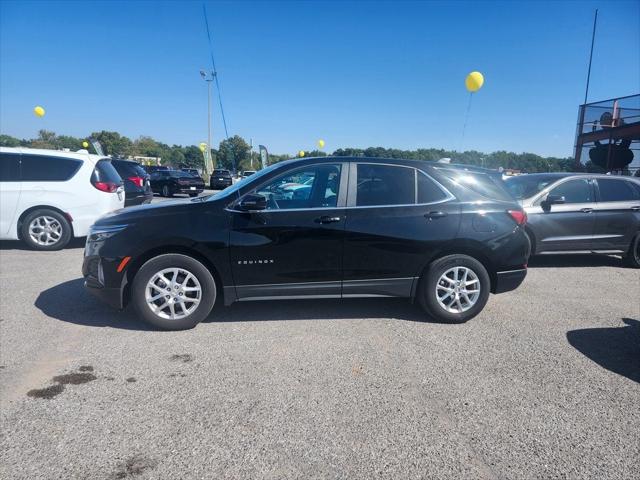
point(545, 383)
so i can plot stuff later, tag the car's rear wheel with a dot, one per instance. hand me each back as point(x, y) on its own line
point(454, 288)
point(173, 292)
point(632, 258)
point(166, 191)
point(45, 229)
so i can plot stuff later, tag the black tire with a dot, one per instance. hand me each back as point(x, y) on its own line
point(166, 191)
point(427, 296)
point(60, 222)
point(632, 258)
point(173, 260)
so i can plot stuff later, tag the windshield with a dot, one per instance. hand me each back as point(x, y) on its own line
point(180, 174)
point(526, 186)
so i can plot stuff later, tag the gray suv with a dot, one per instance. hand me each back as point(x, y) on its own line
point(581, 213)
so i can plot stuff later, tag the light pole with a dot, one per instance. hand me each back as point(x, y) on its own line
point(208, 77)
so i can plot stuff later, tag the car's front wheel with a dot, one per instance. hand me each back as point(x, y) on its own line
point(454, 288)
point(173, 292)
point(45, 229)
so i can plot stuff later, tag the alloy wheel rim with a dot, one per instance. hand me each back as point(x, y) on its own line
point(173, 293)
point(458, 289)
point(45, 230)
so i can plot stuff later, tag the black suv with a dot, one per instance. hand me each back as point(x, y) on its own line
point(169, 182)
point(220, 179)
point(318, 227)
point(137, 188)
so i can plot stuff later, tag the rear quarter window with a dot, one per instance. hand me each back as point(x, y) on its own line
point(43, 168)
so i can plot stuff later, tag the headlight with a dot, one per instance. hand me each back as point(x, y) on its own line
point(99, 233)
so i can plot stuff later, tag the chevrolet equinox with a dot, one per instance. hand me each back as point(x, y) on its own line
point(331, 227)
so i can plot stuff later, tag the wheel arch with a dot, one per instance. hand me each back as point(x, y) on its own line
point(467, 248)
point(141, 259)
point(24, 214)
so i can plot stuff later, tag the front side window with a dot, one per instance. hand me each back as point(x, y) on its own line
point(380, 185)
point(574, 191)
point(618, 190)
point(42, 168)
point(9, 167)
point(316, 186)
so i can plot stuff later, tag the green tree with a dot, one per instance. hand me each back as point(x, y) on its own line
point(113, 143)
point(9, 141)
point(234, 151)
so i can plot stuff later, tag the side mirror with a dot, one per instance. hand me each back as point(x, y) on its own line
point(552, 200)
point(252, 201)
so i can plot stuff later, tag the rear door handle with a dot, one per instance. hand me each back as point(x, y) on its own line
point(327, 219)
point(586, 210)
point(435, 215)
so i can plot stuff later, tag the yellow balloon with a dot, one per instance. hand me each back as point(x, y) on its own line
point(301, 153)
point(203, 147)
point(474, 81)
point(39, 111)
point(85, 144)
point(321, 143)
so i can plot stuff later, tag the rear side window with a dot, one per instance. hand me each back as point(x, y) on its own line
point(428, 190)
point(9, 167)
point(105, 172)
point(618, 190)
point(43, 168)
point(380, 185)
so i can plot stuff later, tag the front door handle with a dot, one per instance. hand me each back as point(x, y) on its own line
point(327, 219)
point(586, 210)
point(435, 215)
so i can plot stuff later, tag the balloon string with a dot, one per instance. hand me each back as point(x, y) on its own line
point(466, 118)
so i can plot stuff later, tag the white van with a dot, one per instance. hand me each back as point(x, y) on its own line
point(49, 196)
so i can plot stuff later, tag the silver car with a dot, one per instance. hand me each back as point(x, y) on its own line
point(581, 213)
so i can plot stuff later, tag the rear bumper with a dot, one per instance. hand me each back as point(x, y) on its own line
point(197, 190)
point(216, 184)
point(135, 198)
point(509, 280)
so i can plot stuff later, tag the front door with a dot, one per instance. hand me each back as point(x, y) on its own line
point(293, 247)
point(568, 226)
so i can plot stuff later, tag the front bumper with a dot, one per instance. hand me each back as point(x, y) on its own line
point(509, 280)
point(100, 280)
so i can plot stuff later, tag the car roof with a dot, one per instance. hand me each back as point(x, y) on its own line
point(80, 154)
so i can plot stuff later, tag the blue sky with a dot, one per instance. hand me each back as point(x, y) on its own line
point(353, 73)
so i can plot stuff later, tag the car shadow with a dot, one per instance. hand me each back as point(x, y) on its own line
point(20, 245)
point(617, 349)
point(69, 302)
point(574, 260)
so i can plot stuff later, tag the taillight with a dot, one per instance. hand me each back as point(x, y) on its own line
point(520, 216)
point(108, 187)
point(137, 181)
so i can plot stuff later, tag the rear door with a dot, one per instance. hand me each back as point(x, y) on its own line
point(396, 216)
point(9, 191)
point(568, 226)
point(617, 213)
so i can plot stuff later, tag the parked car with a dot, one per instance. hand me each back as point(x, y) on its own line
point(169, 182)
point(248, 173)
point(220, 179)
point(192, 171)
point(47, 196)
point(154, 168)
point(369, 228)
point(581, 213)
point(137, 188)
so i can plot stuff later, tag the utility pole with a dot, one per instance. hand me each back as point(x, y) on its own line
point(251, 152)
point(208, 77)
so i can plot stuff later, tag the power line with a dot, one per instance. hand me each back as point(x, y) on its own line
point(215, 72)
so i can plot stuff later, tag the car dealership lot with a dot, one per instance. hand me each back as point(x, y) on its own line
point(544, 383)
